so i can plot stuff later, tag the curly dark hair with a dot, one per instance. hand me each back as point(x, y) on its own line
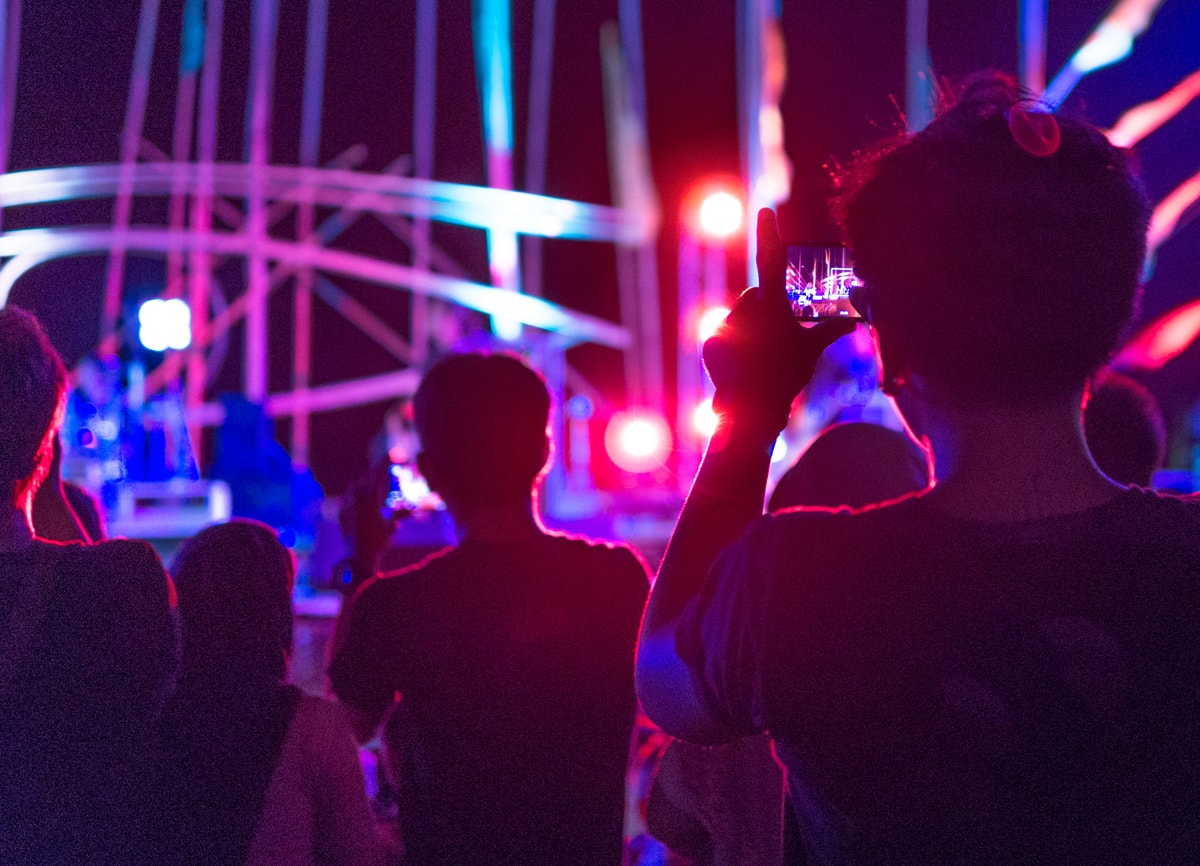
point(994, 271)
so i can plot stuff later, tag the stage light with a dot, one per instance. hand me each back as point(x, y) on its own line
point(704, 419)
point(721, 214)
point(165, 324)
point(580, 407)
point(638, 440)
point(710, 320)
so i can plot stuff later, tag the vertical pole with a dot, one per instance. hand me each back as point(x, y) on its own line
point(493, 61)
point(10, 46)
point(200, 264)
point(541, 70)
point(646, 256)
point(424, 114)
point(190, 55)
point(749, 69)
point(1032, 45)
point(310, 146)
point(918, 83)
point(618, 119)
point(135, 112)
point(258, 116)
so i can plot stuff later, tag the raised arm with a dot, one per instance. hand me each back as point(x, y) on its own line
point(759, 360)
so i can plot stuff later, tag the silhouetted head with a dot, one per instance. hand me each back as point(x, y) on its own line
point(1001, 248)
point(33, 387)
point(1124, 429)
point(481, 419)
point(852, 465)
point(234, 582)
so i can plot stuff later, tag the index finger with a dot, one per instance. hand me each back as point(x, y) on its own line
point(770, 257)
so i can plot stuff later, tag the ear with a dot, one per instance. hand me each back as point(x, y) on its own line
point(893, 367)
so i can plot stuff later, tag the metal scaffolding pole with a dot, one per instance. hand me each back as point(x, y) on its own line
point(918, 73)
point(258, 116)
point(493, 62)
point(1033, 44)
point(424, 116)
point(10, 44)
point(537, 128)
point(135, 113)
point(190, 58)
point(310, 146)
point(200, 260)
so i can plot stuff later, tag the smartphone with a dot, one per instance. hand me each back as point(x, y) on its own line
point(821, 282)
point(408, 490)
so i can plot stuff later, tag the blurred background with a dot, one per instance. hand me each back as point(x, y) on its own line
point(321, 198)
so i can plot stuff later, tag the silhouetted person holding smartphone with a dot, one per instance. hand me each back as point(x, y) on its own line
point(1004, 668)
point(511, 653)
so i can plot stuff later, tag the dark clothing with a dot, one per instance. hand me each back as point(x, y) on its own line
point(945, 691)
point(219, 751)
point(515, 663)
point(76, 730)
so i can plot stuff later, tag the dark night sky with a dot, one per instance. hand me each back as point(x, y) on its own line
point(846, 61)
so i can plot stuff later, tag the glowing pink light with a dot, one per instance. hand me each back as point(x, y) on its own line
point(704, 419)
point(1161, 340)
point(710, 320)
point(1167, 212)
point(1141, 120)
point(638, 440)
point(1110, 42)
point(721, 214)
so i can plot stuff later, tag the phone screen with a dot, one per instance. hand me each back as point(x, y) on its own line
point(821, 282)
point(409, 490)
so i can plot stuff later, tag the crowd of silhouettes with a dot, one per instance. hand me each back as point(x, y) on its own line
point(970, 641)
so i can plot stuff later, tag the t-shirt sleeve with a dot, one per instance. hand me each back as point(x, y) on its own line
point(358, 672)
point(344, 830)
point(719, 638)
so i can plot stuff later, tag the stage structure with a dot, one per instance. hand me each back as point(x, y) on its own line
point(266, 214)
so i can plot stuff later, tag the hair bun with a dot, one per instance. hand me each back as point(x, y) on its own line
point(1034, 129)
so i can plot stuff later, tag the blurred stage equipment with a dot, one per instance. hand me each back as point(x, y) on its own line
point(266, 214)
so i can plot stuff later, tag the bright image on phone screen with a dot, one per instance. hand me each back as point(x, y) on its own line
point(820, 280)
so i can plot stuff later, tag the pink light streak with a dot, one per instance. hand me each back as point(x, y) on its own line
point(1168, 212)
point(1141, 120)
point(1161, 340)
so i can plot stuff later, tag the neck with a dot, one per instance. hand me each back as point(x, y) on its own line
point(16, 532)
point(496, 522)
point(1012, 463)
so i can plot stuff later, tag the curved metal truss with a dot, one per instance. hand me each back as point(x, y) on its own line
point(221, 210)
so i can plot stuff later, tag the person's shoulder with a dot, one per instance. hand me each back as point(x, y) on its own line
point(802, 520)
point(122, 558)
point(1170, 512)
point(610, 556)
point(402, 581)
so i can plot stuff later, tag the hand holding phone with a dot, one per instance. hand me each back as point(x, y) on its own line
point(761, 357)
point(408, 491)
